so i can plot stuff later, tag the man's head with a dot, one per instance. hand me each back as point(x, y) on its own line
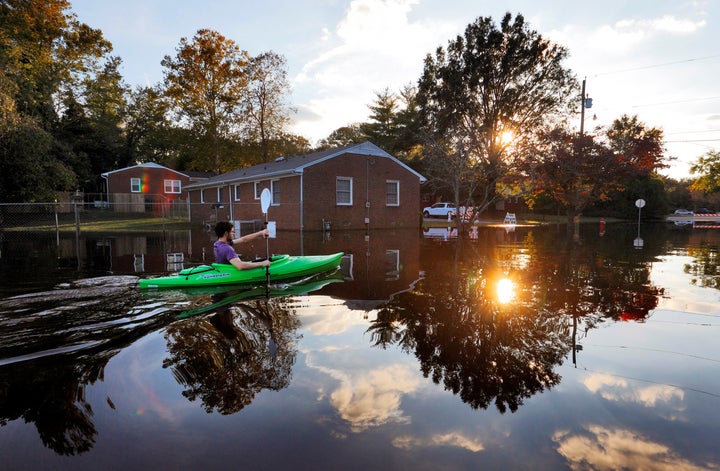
point(222, 227)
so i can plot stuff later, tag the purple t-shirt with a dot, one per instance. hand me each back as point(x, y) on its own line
point(223, 252)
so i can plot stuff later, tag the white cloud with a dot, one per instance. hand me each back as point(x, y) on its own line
point(373, 47)
point(455, 439)
point(603, 448)
point(618, 389)
point(374, 398)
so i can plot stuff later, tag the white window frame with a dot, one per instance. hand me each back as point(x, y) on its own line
point(396, 194)
point(135, 185)
point(202, 195)
point(173, 187)
point(392, 265)
point(236, 192)
point(275, 192)
point(257, 190)
point(350, 191)
point(219, 194)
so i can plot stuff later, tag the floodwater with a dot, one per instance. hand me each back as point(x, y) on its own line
point(514, 348)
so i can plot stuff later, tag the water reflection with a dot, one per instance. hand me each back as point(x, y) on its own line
point(492, 320)
point(225, 359)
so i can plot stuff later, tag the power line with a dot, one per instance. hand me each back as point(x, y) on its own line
point(679, 101)
point(692, 132)
point(665, 64)
point(696, 140)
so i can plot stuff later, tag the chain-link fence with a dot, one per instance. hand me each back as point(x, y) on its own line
point(82, 211)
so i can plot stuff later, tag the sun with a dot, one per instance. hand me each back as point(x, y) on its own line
point(505, 291)
point(507, 136)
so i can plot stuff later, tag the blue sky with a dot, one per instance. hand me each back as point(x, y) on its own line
point(658, 59)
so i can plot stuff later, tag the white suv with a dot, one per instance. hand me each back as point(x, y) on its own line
point(438, 210)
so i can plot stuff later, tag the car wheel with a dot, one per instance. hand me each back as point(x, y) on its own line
point(426, 214)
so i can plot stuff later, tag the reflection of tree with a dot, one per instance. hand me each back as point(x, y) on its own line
point(227, 358)
point(50, 391)
point(477, 350)
point(704, 268)
point(488, 352)
point(52, 395)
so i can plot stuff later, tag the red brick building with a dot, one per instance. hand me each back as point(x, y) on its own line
point(147, 187)
point(354, 187)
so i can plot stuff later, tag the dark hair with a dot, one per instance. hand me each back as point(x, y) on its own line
point(222, 227)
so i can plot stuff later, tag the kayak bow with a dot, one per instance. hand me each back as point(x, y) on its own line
point(282, 267)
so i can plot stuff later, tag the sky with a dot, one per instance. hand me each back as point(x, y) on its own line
point(657, 59)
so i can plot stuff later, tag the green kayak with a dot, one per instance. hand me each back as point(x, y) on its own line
point(282, 267)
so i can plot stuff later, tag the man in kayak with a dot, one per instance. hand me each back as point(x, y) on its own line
point(224, 252)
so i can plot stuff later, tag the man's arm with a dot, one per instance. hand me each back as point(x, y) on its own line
point(243, 265)
point(248, 237)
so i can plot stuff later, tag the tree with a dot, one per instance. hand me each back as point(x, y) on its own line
point(44, 48)
point(381, 130)
point(639, 146)
point(205, 83)
point(45, 55)
point(267, 115)
point(343, 136)
point(482, 100)
point(617, 163)
point(708, 168)
point(149, 134)
point(575, 170)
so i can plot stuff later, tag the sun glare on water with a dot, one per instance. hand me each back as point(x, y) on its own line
point(505, 291)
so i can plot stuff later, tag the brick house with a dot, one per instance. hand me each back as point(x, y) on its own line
point(147, 187)
point(354, 187)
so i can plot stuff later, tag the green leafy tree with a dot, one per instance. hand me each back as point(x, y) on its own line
point(149, 134)
point(381, 129)
point(43, 49)
point(46, 54)
point(206, 83)
point(482, 100)
point(708, 169)
point(343, 136)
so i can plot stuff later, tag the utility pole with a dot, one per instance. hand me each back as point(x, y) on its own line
point(582, 109)
point(585, 102)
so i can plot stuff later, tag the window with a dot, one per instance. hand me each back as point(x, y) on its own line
point(258, 190)
point(173, 186)
point(275, 190)
point(392, 193)
point(219, 195)
point(237, 192)
point(343, 191)
point(392, 265)
point(135, 186)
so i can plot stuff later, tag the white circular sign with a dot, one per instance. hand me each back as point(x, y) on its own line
point(640, 203)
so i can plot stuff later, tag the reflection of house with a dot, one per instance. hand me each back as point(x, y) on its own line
point(147, 187)
point(355, 187)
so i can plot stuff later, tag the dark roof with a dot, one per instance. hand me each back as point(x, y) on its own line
point(294, 166)
point(144, 165)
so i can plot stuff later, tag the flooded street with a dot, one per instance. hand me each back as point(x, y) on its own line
point(517, 347)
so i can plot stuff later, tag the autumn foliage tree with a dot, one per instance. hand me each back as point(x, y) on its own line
point(578, 171)
point(205, 82)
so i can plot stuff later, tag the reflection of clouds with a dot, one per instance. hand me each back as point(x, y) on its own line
point(618, 389)
point(608, 449)
point(324, 315)
point(374, 398)
point(455, 439)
